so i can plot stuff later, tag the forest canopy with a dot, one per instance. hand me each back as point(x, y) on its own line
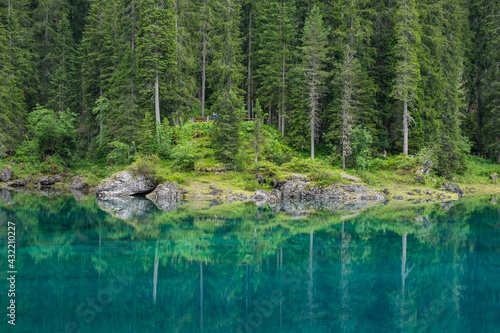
point(97, 80)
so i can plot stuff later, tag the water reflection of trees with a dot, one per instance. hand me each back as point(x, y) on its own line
point(417, 269)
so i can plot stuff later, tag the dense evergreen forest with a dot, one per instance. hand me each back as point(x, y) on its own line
point(88, 79)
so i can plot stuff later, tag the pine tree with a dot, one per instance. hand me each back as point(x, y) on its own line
point(17, 77)
point(492, 88)
point(97, 67)
point(180, 92)
point(407, 67)
point(348, 81)
point(274, 48)
point(124, 112)
point(60, 88)
point(156, 47)
point(51, 26)
point(314, 40)
point(225, 77)
point(449, 143)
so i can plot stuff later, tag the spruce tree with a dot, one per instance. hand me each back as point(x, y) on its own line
point(225, 77)
point(405, 88)
point(492, 88)
point(274, 34)
point(61, 85)
point(313, 51)
point(180, 92)
point(156, 47)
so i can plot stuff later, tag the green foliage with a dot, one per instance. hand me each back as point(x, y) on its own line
point(164, 139)
point(183, 156)
point(119, 154)
point(361, 143)
point(147, 141)
point(324, 177)
point(148, 165)
point(53, 132)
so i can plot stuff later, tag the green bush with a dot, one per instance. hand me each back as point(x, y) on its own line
point(183, 155)
point(147, 165)
point(119, 154)
point(250, 185)
point(302, 165)
point(324, 178)
point(362, 141)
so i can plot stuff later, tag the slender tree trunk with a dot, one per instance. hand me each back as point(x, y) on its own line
point(203, 62)
point(283, 92)
point(405, 125)
point(343, 158)
point(157, 107)
point(249, 76)
point(100, 121)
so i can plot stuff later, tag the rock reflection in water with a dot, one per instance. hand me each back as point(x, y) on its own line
point(127, 207)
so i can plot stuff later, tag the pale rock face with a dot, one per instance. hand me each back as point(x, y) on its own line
point(78, 183)
point(124, 184)
point(298, 189)
point(5, 174)
point(166, 196)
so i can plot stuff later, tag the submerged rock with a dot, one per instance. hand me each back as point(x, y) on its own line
point(6, 174)
point(124, 184)
point(166, 196)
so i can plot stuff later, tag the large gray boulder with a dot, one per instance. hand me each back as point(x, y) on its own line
point(494, 176)
point(298, 189)
point(78, 184)
point(449, 187)
point(6, 174)
point(123, 184)
point(166, 196)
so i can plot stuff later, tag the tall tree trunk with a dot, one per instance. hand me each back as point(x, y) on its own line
point(405, 125)
point(283, 93)
point(343, 158)
point(157, 107)
point(203, 62)
point(249, 76)
point(100, 121)
point(498, 144)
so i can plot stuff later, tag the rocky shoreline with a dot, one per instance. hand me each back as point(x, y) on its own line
point(119, 193)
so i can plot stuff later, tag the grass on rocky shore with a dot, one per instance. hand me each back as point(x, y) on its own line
point(193, 166)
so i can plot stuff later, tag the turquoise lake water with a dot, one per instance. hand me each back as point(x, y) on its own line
point(243, 268)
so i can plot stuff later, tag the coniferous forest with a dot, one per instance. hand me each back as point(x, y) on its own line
point(89, 79)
